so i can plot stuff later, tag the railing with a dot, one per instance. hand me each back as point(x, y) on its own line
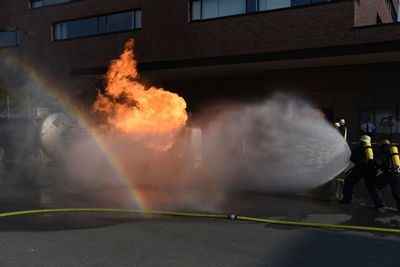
point(14, 107)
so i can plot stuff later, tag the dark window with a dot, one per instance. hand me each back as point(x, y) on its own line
point(117, 22)
point(206, 9)
point(209, 9)
point(231, 7)
point(273, 4)
point(300, 2)
point(82, 27)
point(9, 38)
point(41, 3)
point(138, 19)
point(120, 22)
point(252, 5)
point(103, 24)
point(196, 10)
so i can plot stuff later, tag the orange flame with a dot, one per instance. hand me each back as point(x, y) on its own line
point(152, 116)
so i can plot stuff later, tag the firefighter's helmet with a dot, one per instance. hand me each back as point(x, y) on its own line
point(365, 139)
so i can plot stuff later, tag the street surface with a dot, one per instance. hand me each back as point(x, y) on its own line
point(111, 239)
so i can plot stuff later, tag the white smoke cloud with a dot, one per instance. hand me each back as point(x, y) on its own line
point(281, 145)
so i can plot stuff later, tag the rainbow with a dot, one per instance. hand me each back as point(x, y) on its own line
point(67, 104)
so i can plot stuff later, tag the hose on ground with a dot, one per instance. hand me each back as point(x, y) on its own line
point(204, 215)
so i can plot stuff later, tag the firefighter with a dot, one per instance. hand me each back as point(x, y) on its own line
point(342, 128)
point(388, 162)
point(364, 167)
point(336, 125)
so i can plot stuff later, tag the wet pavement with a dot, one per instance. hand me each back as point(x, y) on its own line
point(112, 239)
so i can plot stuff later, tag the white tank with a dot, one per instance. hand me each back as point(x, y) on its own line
point(52, 133)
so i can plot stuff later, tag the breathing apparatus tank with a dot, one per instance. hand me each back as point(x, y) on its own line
point(366, 141)
point(368, 150)
point(395, 158)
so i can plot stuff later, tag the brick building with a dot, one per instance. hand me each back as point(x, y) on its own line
point(343, 55)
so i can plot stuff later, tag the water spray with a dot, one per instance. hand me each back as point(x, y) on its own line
point(288, 147)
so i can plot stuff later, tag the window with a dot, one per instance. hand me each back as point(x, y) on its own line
point(76, 28)
point(273, 4)
point(209, 9)
point(206, 9)
point(307, 2)
point(118, 22)
point(231, 7)
point(252, 5)
point(300, 2)
point(9, 38)
point(196, 10)
point(41, 3)
point(138, 19)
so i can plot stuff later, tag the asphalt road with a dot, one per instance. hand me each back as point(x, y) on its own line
point(109, 239)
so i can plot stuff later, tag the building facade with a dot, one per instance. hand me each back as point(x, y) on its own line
point(342, 55)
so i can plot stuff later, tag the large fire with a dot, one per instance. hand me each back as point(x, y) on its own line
point(149, 115)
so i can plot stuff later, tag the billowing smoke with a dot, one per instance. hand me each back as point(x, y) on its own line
point(280, 145)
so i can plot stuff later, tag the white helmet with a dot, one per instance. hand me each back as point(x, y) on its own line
point(365, 139)
point(342, 122)
point(336, 124)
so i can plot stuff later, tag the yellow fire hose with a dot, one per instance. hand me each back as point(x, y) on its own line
point(221, 216)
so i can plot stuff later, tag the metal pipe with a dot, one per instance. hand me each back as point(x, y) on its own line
point(8, 107)
point(29, 108)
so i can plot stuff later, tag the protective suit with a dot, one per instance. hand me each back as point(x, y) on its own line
point(387, 162)
point(364, 167)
